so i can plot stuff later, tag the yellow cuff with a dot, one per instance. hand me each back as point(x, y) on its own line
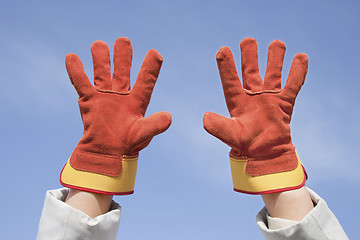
point(270, 183)
point(94, 182)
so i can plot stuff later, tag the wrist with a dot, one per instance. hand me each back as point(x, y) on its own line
point(92, 204)
point(291, 205)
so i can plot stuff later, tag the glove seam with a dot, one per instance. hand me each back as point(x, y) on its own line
point(260, 92)
point(107, 155)
point(113, 92)
point(261, 158)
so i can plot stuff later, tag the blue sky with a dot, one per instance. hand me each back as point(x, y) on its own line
point(183, 188)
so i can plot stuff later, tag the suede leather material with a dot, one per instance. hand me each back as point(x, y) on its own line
point(113, 116)
point(104, 164)
point(259, 127)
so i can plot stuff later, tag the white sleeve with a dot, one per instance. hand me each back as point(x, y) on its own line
point(319, 224)
point(61, 221)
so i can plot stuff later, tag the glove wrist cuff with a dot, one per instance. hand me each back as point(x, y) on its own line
point(267, 183)
point(121, 184)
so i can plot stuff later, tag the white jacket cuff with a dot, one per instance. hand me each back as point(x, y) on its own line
point(320, 223)
point(61, 221)
point(278, 223)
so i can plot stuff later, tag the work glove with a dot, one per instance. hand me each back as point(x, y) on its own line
point(262, 157)
point(115, 129)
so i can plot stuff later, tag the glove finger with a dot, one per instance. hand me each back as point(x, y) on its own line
point(145, 82)
point(296, 76)
point(223, 128)
point(77, 75)
point(276, 52)
point(229, 77)
point(122, 64)
point(147, 128)
point(250, 65)
point(101, 61)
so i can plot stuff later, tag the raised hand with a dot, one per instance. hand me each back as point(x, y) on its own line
point(115, 128)
point(258, 131)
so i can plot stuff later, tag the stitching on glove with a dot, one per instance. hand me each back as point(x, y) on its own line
point(114, 92)
point(268, 157)
point(98, 154)
point(262, 91)
point(96, 163)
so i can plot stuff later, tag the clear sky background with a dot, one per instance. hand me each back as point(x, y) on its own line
point(183, 188)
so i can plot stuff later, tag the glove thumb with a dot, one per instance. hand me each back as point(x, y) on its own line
point(147, 128)
point(221, 127)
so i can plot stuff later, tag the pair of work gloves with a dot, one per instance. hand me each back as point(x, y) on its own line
point(262, 157)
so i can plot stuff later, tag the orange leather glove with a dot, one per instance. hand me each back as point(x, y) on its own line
point(263, 158)
point(115, 129)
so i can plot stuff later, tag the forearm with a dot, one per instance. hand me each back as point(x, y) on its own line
point(291, 205)
point(93, 204)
